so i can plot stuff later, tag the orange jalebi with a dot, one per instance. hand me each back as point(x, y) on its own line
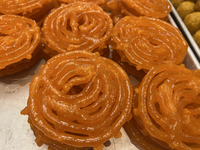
point(146, 42)
point(168, 106)
point(79, 99)
point(77, 26)
point(19, 43)
point(34, 9)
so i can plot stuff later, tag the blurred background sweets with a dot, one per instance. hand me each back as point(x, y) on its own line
point(189, 11)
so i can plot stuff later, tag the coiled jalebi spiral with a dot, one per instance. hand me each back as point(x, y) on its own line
point(80, 99)
point(168, 105)
point(77, 26)
point(19, 42)
point(146, 42)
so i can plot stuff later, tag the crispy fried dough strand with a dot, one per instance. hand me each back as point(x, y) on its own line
point(19, 37)
point(80, 99)
point(77, 26)
point(147, 42)
point(169, 106)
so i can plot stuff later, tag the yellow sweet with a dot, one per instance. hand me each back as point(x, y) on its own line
point(185, 8)
point(197, 5)
point(176, 3)
point(192, 22)
point(196, 37)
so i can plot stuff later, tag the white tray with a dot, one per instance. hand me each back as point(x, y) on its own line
point(15, 132)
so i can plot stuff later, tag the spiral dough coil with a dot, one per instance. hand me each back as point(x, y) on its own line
point(77, 26)
point(80, 99)
point(147, 42)
point(169, 105)
point(19, 38)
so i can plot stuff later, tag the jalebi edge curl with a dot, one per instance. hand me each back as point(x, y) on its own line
point(79, 99)
point(34, 9)
point(169, 106)
point(19, 43)
point(77, 26)
point(146, 42)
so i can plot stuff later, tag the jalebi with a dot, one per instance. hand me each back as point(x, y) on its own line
point(19, 43)
point(79, 99)
point(146, 42)
point(167, 107)
point(77, 26)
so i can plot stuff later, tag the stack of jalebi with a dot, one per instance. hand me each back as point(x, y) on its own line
point(19, 43)
point(79, 99)
point(167, 109)
point(150, 8)
point(34, 9)
point(77, 26)
point(146, 42)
